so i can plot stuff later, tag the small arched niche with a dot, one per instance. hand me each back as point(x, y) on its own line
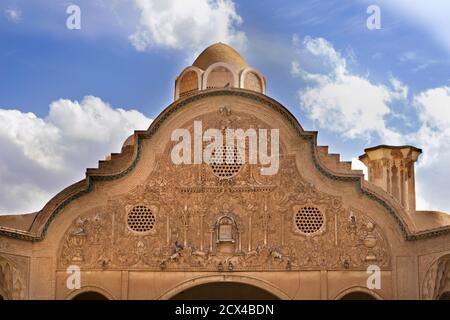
point(188, 84)
point(436, 283)
point(220, 77)
point(226, 231)
point(253, 82)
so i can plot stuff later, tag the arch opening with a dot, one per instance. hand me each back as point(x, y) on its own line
point(445, 296)
point(188, 84)
point(253, 82)
point(220, 77)
point(89, 295)
point(358, 295)
point(224, 291)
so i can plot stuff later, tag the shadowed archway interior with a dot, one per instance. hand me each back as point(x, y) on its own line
point(90, 295)
point(224, 291)
point(358, 295)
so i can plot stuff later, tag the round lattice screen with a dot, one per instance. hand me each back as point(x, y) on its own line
point(141, 219)
point(225, 162)
point(309, 220)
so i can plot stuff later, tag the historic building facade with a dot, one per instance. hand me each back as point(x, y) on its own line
point(143, 227)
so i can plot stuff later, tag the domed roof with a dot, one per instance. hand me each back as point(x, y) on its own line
point(220, 52)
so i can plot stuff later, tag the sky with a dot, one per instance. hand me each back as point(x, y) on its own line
point(70, 96)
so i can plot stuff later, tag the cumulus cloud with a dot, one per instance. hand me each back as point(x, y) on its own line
point(358, 165)
point(40, 156)
point(433, 136)
point(431, 16)
point(13, 15)
point(354, 107)
point(343, 102)
point(187, 24)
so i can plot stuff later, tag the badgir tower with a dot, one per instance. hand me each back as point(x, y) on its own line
point(143, 227)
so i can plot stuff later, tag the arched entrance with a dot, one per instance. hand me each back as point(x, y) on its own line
point(89, 295)
point(358, 295)
point(224, 291)
point(445, 296)
point(248, 284)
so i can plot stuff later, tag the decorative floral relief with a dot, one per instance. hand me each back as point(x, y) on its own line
point(204, 222)
point(12, 281)
point(437, 278)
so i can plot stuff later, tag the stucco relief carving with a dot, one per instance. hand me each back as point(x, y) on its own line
point(437, 278)
point(204, 222)
point(12, 281)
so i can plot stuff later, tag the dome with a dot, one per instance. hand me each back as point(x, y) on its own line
point(220, 52)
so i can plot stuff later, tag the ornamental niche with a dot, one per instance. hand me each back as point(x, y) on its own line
point(12, 282)
point(437, 278)
point(200, 218)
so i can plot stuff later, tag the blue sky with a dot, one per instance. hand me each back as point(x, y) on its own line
point(117, 72)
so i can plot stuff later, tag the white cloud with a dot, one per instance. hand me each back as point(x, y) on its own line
point(358, 165)
point(434, 107)
point(343, 102)
point(41, 156)
point(354, 107)
point(13, 15)
point(187, 24)
point(432, 16)
point(433, 136)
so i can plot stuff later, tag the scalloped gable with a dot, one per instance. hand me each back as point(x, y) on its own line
point(123, 163)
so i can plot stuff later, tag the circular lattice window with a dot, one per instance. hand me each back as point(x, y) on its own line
point(309, 219)
point(225, 162)
point(141, 219)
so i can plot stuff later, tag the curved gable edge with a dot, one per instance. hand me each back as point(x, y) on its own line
point(130, 156)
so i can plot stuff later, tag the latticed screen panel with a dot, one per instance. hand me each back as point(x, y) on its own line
point(141, 219)
point(225, 162)
point(309, 219)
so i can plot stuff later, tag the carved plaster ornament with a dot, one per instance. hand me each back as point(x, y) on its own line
point(257, 231)
point(370, 241)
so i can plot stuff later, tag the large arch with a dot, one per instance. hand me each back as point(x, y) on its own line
point(90, 293)
point(224, 291)
point(357, 293)
point(436, 283)
point(247, 281)
point(193, 88)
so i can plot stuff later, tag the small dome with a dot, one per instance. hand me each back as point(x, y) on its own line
point(219, 52)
